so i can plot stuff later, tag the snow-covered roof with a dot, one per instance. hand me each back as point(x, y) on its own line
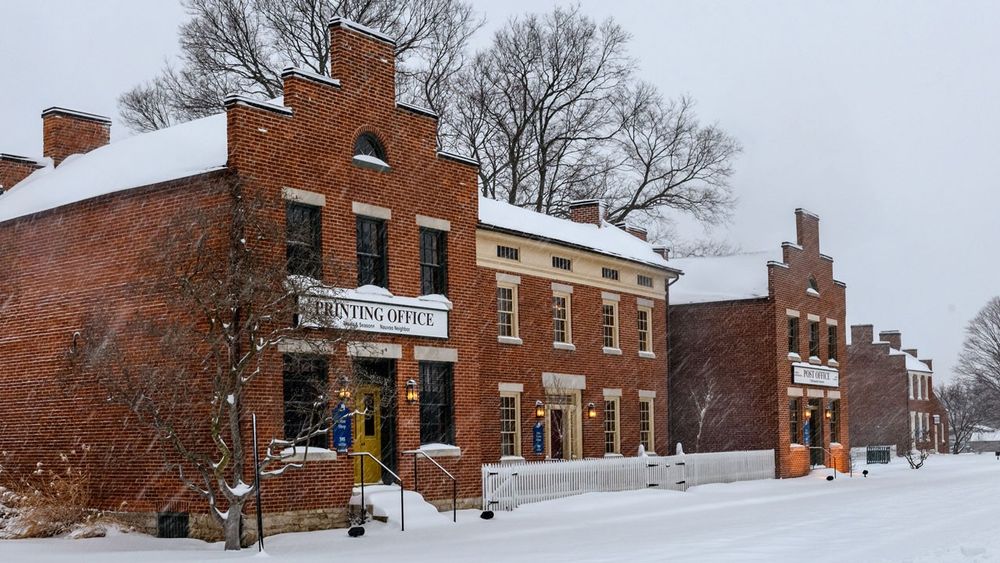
point(986, 435)
point(912, 363)
point(606, 239)
point(175, 152)
point(723, 278)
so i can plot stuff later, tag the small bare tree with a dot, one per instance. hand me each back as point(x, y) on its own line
point(241, 47)
point(218, 306)
point(968, 412)
point(979, 360)
point(920, 447)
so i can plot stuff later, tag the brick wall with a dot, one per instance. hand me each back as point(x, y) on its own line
point(66, 132)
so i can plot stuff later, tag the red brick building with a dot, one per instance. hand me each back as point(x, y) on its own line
point(757, 354)
point(892, 394)
point(498, 319)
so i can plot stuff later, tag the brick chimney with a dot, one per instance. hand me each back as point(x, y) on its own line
point(662, 251)
point(911, 351)
point(586, 211)
point(637, 232)
point(15, 168)
point(807, 230)
point(363, 58)
point(930, 363)
point(66, 132)
point(893, 337)
point(862, 333)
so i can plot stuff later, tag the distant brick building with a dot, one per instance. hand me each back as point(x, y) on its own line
point(756, 354)
point(892, 394)
point(505, 320)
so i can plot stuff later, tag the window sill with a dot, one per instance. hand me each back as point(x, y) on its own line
point(797, 446)
point(437, 450)
point(613, 455)
point(564, 346)
point(794, 357)
point(833, 363)
point(649, 355)
point(511, 459)
point(510, 340)
point(370, 163)
point(612, 351)
point(314, 454)
point(814, 360)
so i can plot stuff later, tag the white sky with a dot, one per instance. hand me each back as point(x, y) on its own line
point(881, 117)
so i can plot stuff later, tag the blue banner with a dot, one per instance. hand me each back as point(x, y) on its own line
point(538, 438)
point(342, 436)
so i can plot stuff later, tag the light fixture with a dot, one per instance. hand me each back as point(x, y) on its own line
point(411, 391)
point(344, 393)
point(539, 409)
point(591, 411)
point(809, 414)
point(829, 413)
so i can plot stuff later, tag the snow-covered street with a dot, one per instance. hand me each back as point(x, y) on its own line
point(946, 511)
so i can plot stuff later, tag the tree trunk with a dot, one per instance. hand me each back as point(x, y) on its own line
point(231, 527)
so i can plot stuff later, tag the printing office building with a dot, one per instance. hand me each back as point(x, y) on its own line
point(491, 332)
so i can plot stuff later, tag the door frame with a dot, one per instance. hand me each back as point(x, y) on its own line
point(572, 419)
point(377, 417)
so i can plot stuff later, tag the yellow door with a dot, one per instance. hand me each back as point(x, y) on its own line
point(368, 434)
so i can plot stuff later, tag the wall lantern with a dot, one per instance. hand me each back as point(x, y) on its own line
point(411, 391)
point(344, 393)
point(539, 409)
point(829, 413)
point(809, 414)
point(591, 411)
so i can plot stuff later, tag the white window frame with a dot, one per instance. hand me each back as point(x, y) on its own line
point(514, 336)
point(617, 421)
point(648, 341)
point(651, 441)
point(568, 342)
point(615, 348)
point(516, 396)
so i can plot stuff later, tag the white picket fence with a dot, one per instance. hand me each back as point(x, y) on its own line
point(509, 485)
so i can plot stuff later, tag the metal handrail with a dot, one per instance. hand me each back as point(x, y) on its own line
point(402, 515)
point(832, 460)
point(454, 481)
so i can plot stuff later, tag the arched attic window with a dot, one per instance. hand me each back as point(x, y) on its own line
point(369, 153)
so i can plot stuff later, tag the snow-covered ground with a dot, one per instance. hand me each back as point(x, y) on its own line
point(947, 511)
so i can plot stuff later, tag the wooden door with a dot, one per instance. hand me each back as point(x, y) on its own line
point(368, 434)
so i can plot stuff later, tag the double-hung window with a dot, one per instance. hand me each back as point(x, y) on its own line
point(609, 324)
point(831, 344)
point(437, 406)
point(813, 339)
point(644, 317)
point(612, 440)
point(646, 423)
point(303, 254)
point(373, 267)
point(433, 262)
point(793, 335)
point(561, 320)
point(305, 382)
point(507, 310)
point(510, 426)
point(793, 420)
point(835, 420)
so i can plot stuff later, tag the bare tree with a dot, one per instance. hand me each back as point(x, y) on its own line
point(919, 447)
point(968, 412)
point(705, 247)
point(553, 112)
point(241, 47)
point(218, 306)
point(979, 360)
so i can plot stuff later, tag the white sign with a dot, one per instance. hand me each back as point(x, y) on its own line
point(390, 315)
point(812, 375)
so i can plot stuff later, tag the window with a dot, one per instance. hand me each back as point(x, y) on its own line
point(304, 382)
point(510, 424)
point(609, 274)
point(793, 420)
point(813, 285)
point(561, 318)
point(793, 335)
point(813, 339)
point(923, 387)
point(508, 252)
point(369, 145)
point(609, 323)
point(303, 254)
point(437, 407)
point(562, 263)
point(372, 261)
point(507, 310)
point(835, 420)
point(831, 342)
point(612, 442)
point(644, 281)
point(433, 262)
point(646, 423)
point(913, 380)
point(645, 335)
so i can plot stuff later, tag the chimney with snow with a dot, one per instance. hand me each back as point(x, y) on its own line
point(637, 232)
point(363, 58)
point(13, 169)
point(586, 211)
point(862, 333)
point(662, 251)
point(807, 229)
point(911, 351)
point(893, 337)
point(930, 364)
point(66, 132)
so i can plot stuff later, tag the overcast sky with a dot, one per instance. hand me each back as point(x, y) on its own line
point(880, 117)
